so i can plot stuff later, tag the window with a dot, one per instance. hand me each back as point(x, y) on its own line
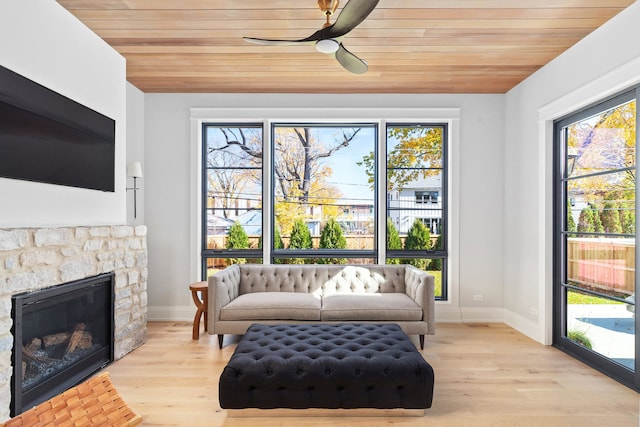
point(426, 197)
point(416, 176)
point(595, 236)
point(323, 200)
point(324, 196)
point(232, 193)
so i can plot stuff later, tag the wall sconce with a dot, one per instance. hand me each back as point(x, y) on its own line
point(134, 170)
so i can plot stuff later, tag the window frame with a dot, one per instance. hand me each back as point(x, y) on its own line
point(237, 116)
point(560, 285)
point(277, 254)
point(206, 253)
point(439, 253)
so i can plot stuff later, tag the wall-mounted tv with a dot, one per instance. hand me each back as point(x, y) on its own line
point(47, 137)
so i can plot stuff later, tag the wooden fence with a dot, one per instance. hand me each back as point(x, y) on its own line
point(606, 264)
point(360, 241)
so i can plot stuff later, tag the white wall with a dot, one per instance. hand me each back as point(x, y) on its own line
point(135, 151)
point(477, 190)
point(501, 171)
point(43, 42)
point(603, 63)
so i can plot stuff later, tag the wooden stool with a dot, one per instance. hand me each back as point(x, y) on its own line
point(202, 302)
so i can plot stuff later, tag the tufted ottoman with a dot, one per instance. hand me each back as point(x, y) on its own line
point(326, 366)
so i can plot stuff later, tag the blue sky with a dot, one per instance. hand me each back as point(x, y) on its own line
point(347, 175)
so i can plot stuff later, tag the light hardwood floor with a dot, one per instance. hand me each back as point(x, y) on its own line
point(486, 375)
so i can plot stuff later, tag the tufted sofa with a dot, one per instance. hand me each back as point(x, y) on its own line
point(241, 295)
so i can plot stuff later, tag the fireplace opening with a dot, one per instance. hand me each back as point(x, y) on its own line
point(62, 335)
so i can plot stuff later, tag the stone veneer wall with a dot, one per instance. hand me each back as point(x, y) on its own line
point(36, 258)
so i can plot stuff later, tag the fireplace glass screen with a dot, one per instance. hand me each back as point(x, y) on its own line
point(62, 335)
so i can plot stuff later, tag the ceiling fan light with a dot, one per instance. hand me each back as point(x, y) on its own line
point(327, 46)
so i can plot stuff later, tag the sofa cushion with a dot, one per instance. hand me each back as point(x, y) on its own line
point(371, 306)
point(349, 279)
point(272, 306)
point(281, 278)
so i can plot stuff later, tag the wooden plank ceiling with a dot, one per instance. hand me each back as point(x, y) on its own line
point(411, 46)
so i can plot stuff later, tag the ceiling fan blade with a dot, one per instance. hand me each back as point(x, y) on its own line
point(352, 15)
point(254, 40)
point(351, 62)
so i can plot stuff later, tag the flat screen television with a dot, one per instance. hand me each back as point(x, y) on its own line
point(47, 137)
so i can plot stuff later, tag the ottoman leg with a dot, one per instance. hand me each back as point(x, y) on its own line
point(220, 338)
point(421, 342)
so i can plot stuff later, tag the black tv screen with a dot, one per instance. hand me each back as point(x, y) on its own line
point(47, 137)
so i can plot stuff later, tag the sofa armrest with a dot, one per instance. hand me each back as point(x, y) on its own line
point(419, 285)
point(224, 286)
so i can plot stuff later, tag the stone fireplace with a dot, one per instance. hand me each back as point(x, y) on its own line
point(61, 335)
point(36, 259)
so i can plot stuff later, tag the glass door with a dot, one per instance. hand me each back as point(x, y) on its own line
point(595, 237)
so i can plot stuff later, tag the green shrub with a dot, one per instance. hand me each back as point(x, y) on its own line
point(628, 220)
point(586, 222)
point(237, 239)
point(277, 239)
point(436, 263)
point(611, 218)
point(597, 221)
point(580, 338)
point(393, 240)
point(300, 239)
point(571, 224)
point(331, 237)
point(418, 238)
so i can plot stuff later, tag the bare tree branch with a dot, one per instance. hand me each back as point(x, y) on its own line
point(347, 139)
point(242, 143)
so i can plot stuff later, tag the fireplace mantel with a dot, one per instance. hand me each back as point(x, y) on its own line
point(37, 258)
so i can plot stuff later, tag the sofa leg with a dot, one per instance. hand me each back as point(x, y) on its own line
point(220, 338)
point(421, 342)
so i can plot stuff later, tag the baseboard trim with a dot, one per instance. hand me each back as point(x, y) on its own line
point(482, 315)
point(449, 314)
point(524, 326)
point(171, 313)
point(446, 313)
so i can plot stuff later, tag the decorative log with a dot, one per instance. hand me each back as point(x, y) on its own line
point(55, 339)
point(80, 339)
point(86, 341)
point(35, 344)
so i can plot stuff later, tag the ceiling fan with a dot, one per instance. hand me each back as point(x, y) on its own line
point(327, 39)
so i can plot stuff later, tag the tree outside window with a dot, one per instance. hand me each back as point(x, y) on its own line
point(324, 207)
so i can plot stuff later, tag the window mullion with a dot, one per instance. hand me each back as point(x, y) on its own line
point(267, 192)
point(381, 192)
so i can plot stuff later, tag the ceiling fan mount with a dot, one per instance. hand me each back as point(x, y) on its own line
point(327, 39)
point(328, 7)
